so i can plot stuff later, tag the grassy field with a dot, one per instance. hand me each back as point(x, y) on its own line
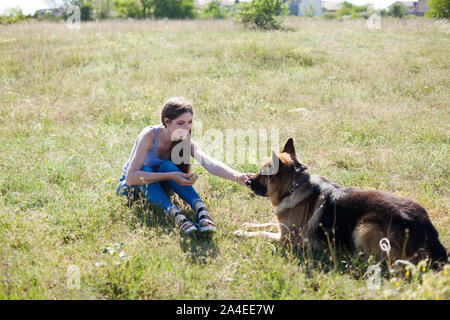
point(72, 102)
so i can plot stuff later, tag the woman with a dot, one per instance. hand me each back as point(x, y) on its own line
point(150, 168)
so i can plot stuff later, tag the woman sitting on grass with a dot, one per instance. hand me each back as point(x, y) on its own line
point(151, 170)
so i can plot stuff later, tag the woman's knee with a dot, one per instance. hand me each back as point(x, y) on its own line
point(132, 193)
point(168, 166)
point(122, 188)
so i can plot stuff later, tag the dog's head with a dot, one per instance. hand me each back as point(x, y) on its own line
point(277, 175)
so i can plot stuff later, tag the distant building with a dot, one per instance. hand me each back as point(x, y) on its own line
point(422, 7)
point(305, 7)
point(411, 5)
point(417, 8)
point(54, 12)
point(331, 6)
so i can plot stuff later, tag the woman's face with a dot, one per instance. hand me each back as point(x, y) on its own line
point(178, 128)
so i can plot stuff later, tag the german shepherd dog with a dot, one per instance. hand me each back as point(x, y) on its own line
point(314, 213)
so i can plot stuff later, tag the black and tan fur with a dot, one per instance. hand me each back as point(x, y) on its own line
point(314, 213)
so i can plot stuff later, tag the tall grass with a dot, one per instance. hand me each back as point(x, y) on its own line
point(72, 103)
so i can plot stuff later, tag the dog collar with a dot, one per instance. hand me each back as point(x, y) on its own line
point(292, 189)
point(296, 185)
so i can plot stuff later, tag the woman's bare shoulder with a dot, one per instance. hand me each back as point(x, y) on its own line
point(147, 132)
point(146, 136)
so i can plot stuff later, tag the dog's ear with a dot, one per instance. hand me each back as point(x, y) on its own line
point(274, 165)
point(289, 147)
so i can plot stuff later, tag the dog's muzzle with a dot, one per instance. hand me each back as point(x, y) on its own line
point(257, 189)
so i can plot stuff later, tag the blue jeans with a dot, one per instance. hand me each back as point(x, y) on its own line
point(154, 192)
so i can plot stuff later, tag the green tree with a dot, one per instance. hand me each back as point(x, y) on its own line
point(348, 5)
point(174, 9)
point(103, 8)
point(214, 10)
point(383, 12)
point(262, 13)
point(147, 6)
point(398, 10)
point(439, 9)
point(12, 16)
point(128, 9)
point(351, 10)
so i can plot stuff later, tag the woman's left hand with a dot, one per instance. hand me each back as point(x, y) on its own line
point(242, 177)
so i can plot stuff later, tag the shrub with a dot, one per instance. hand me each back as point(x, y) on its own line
point(383, 12)
point(174, 9)
point(397, 10)
point(214, 11)
point(356, 15)
point(352, 11)
point(329, 15)
point(103, 8)
point(128, 9)
point(440, 9)
point(12, 16)
point(262, 13)
point(344, 11)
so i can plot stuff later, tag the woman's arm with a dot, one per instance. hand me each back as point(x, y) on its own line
point(218, 168)
point(135, 176)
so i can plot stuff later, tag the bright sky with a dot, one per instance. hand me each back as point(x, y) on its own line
point(30, 6)
point(379, 4)
point(27, 6)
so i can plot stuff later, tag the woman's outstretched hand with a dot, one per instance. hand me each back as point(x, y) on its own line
point(182, 178)
point(242, 177)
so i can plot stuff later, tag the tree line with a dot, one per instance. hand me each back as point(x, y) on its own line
point(134, 9)
point(260, 14)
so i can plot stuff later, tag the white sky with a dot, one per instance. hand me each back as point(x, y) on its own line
point(30, 6)
point(27, 6)
point(379, 4)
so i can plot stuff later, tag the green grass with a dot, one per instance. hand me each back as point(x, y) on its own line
point(72, 103)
